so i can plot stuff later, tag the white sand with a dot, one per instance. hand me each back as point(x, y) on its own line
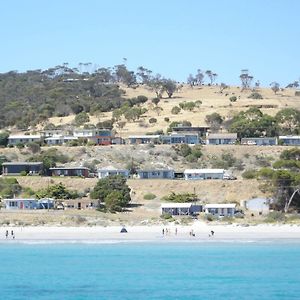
point(151, 233)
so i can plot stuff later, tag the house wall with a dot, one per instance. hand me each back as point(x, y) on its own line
point(220, 211)
point(103, 174)
point(17, 169)
point(23, 204)
point(291, 142)
point(220, 141)
point(156, 174)
point(70, 172)
point(195, 176)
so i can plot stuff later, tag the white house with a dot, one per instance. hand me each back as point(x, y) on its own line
point(109, 171)
point(176, 209)
point(23, 139)
point(221, 210)
point(193, 174)
point(155, 174)
point(221, 138)
point(259, 141)
point(59, 139)
point(289, 140)
point(258, 205)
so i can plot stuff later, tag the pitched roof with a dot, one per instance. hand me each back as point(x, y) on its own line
point(221, 205)
point(206, 171)
point(176, 205)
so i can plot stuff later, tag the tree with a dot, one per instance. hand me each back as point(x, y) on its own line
point(199, 77)
point(112, 191)
point(288, 121)
point(155, 100)
point(4, 138)
point(158, 110)
point(191, 80)
point(275, 86)
point(124, 76)
point(170, 86)
point(214, 120)
point(156, 84)
point(57, 191)
point(246, 79)
point(144, 74)
point(81, 118)
point(211, 75)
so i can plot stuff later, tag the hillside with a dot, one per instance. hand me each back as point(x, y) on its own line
point(212, 101)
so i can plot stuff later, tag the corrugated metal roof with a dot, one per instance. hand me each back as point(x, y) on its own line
point(222, 136)
point(176, 205)
point(222, 205)
point(206, 171)
point(21, 163)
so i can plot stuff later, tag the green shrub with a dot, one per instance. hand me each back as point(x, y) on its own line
point(233, 99)
point(152, 120)
point(249, 174)
point(167, 119)
point(255, 95)
point(23, 173)
point(149, 196)
point(166, 216)
point(275, 216)
point(175, 110)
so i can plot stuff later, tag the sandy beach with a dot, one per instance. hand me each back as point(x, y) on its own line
point(202, 232)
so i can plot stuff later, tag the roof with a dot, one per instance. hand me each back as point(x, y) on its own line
point(20, 199)
point(111, 168)
point(69, 168)
point(210, 171)
point(222, 205)
point(222, 135)
point(61, 137)
point(155, 170)
point(289, 137)
point(259, 138)
point(23, 136)
point(176, 205)
point(144, 136)
point(20, 163)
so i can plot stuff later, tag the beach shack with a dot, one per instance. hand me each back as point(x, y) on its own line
point(289, 140)
point(144, 139)
point(70, 171)
point(201, 174)
point(180, 209)
point(110, 171)
point(259, 141)
point(16, 168)
point(221, 138)
point(23, 139)
point(28, 203)
point(155, 174)
point(176, 138)
point(258, 205)
point(59, 139)
point(220, 210)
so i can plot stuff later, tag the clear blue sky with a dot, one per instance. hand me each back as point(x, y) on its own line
point(174, 38)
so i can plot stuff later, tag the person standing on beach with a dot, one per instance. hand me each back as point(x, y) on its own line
point(176, 231)
point(6, 234)
point(12, 234)
point(163, 232)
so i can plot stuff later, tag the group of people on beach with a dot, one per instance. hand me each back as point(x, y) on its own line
point(167, 231)
point(12, 234)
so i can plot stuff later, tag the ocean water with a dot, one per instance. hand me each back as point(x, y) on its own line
point(258, 270)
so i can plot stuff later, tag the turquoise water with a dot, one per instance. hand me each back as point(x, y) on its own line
point(150, 271)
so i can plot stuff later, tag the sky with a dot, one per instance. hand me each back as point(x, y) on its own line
point(170, 37)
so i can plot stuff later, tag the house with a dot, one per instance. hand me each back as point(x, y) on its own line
point(155, 174)
point(59, 139)
point(16, 168)
point(98, 136)
point(28, 203)
point(179, 209)
point(52, 132)
point(144, 139)
point(194, 174)
point(117, 141)
point(176, 138)
point(258, 205)
point(79, 204)
point(109, 171)
point(70, 171)
point(23, 139)
point(200, 131)
point(221, 210)
point(289, 140)
point(259, 141)
point(221, 138)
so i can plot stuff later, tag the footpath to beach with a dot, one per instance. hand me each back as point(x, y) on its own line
point(199, 231)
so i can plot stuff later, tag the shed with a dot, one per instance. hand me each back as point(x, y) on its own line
point(156, 174)
point(16, 168)
point(221, 210)
point(194, 174)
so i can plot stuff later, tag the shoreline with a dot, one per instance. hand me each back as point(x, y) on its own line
point(111, 234)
